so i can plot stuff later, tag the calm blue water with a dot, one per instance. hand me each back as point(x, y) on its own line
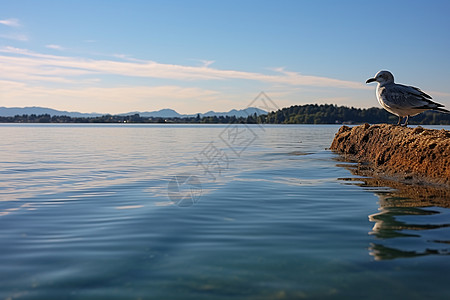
point(206, 212)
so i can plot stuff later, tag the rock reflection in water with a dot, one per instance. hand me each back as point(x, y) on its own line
point(412, 219)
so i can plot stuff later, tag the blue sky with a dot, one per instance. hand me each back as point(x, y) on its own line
point(196, 56)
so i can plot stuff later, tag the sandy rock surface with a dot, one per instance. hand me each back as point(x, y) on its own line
point(416, 154)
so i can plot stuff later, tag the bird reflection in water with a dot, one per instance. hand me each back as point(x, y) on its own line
point(412, 219)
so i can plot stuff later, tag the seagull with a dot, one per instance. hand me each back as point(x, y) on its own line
point(401, 100)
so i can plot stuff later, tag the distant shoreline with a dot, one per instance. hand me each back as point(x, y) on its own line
point(298, 114)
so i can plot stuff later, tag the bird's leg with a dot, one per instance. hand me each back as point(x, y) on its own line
point(399, 120)
point(406, 122)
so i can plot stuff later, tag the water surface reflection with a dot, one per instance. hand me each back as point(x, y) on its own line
point(412, 219)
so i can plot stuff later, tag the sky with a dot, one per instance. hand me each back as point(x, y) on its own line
point(196, 56)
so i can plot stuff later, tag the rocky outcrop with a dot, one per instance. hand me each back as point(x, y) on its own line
point(408, 154)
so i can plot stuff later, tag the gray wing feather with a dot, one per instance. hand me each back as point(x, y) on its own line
point(401, 96)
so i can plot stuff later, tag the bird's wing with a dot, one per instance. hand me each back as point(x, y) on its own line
point(415, 91)
point(406, 97)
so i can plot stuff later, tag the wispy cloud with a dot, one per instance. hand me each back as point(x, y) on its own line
point(10, 22)
point(15, 36)
point(203, 62)
point(86, 84)
point(207, 63)
point(54, 47)
point(29, 62)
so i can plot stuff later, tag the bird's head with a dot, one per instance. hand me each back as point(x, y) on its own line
point(382, 77)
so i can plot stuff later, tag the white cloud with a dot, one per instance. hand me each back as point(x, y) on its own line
point(85, 84)
point(15, 36)
point(36, 63)
point(204, 63)
point(54, 47)
point(207, 63)
point(10, 22)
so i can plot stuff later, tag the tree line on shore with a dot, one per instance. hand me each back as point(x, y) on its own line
point(297, 114)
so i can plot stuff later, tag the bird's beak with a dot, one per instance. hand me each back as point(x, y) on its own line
point(370, 80)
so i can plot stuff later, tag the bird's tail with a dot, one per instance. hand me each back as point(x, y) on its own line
point(442, 110)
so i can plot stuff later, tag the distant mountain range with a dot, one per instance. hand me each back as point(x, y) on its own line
point(163, 113)
point(34, 110)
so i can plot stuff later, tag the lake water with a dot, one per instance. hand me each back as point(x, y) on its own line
point(207, 212)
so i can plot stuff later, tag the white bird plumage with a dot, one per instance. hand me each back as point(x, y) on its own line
point(401, 100)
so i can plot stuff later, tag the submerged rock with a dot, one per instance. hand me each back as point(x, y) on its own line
point(408, 154)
